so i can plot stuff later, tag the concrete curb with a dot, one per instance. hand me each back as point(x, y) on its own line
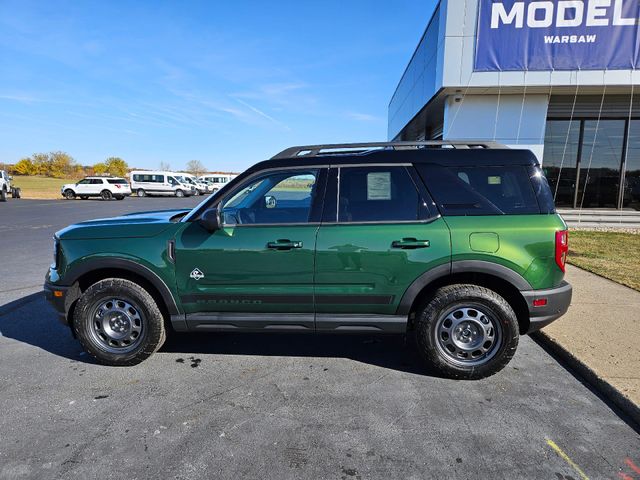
point(592, 378)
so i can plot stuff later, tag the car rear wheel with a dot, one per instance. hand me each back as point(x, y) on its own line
point(467, 332)
point(69, 194)
point(118, 322)
point(179, 193)
point(106, 195)
point(16, 193)
point(140, 192)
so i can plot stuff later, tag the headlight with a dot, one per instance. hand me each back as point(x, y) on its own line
point(56, 252)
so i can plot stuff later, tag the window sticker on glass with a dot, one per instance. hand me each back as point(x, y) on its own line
point(379, 186)
point(497, 180)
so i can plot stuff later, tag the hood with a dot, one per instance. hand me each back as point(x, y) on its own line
point(133, 225)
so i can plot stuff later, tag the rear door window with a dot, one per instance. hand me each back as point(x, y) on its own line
point(378, 194)
point(481, 190)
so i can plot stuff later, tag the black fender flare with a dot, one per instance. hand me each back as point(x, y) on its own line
point(74, 273)
point(459, 266)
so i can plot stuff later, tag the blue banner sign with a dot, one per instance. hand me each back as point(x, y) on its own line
point(558, 35)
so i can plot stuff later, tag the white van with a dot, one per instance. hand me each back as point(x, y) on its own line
point(217, 180)
point(201, 187)
point(144, 182)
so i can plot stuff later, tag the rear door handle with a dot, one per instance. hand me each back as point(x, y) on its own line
point(410, 244)
point(284, 244)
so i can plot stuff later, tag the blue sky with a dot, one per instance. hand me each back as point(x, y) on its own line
point(227, 83)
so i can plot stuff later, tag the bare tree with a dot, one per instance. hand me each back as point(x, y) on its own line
point(164, 166)
point(195, 167)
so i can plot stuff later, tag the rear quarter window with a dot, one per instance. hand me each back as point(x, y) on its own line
point(117, 181)
point(481, 190)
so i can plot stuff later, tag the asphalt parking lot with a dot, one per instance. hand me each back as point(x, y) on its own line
point(276, 406)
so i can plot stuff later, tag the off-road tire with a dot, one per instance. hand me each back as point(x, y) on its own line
point(153, 332)
point(106, 195)
point(69, 194)
point(449, 297)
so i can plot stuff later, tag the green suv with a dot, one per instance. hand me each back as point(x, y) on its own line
point(457, 243)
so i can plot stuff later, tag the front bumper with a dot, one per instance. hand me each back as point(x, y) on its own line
point(61, 298)
point(558, 300)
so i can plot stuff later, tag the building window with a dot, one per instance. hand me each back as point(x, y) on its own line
point(562, 138)
point(583, 159)
point(599, 180)
point(631, 194)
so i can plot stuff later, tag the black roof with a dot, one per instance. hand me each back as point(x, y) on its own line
point(442, 156)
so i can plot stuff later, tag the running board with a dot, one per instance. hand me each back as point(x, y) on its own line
point(292, 322)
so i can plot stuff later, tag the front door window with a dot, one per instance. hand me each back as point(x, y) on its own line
point(278, 198)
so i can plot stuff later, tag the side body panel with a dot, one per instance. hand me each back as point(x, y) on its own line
point(523, 243)
point(241, 274)
point(358, 271)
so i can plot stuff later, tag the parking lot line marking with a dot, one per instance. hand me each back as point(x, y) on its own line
point(632, 465)
point(566, 458)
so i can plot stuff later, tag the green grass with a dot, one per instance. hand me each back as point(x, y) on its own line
point(612, 255)
point(40, 187)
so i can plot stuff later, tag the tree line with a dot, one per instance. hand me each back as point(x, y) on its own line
point(63, 165)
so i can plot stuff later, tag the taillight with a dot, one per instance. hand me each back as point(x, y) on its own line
point(117, 186)
point(562, 247)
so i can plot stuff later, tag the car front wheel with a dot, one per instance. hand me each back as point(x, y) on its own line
point(179, 193)
point(3, 194)
point(69, 194)
point(118, 322)
point(467, 332)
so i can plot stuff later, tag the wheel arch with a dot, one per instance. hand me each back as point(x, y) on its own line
point(498, 278)
point(86, 274)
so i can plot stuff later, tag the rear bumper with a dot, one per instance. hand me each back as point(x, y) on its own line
point(558, 301)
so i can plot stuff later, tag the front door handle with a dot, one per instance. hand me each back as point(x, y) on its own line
point(410, 244)
point(284, 244)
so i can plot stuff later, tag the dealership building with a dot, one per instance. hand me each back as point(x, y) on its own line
point(558, 77)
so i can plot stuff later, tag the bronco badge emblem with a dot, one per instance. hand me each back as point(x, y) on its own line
point(196, 274)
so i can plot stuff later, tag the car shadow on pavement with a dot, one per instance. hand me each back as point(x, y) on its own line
point(31, 320)
point(395, 352)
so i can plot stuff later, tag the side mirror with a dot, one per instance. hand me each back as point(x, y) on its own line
point(210, 220)
point(270, 201)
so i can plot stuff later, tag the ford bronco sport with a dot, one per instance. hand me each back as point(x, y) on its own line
point(458, 243)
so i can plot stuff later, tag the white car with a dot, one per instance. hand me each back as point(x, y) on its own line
point(103, 187)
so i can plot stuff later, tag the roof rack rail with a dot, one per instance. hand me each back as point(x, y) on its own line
point(338, 148)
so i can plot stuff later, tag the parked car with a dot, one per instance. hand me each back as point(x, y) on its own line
point(460, 246)
point(217, 180)
point(6, 188)
point(145, 183)
point(201, 187)
point(103, 187)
